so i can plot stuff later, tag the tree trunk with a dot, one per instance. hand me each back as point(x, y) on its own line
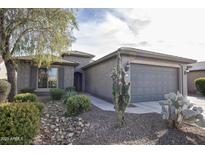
point(11, 77)
point(1, 30)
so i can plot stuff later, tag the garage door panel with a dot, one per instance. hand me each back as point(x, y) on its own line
point(149, 83)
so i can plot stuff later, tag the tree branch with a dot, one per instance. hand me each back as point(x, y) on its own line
point(25, 32)
point(15, 24)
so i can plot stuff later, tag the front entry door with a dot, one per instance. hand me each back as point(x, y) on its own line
point(78, 81)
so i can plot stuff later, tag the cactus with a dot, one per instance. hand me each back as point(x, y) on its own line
point(120, 89)
point(178, 109)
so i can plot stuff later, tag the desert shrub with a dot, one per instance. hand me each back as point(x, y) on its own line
point(69, 94)
point(77, 104)
point(200, 85)
point(5, 88)
point(56, 93)
point(70, 89)
point(27, 90)
point(19, 123)
point(177, 109)
point(25, 97)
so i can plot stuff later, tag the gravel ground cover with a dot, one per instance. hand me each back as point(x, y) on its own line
point(100, 127)
point(139, 129)
point(56, 127)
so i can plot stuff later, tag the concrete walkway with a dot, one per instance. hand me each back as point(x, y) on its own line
point(139, 108)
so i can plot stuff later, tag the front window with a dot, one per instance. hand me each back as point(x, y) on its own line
point(52, 78)
point(47, 78)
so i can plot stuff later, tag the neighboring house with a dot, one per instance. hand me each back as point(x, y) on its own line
point(2, 69)
point(196, 70)
point(61, 74)
point(151, 74)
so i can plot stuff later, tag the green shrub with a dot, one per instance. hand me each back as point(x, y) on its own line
point(39, 105)
point(70, 89)
point(27, 90)
point(200, 85)
point(30, 98)
point(19, 123)
point(5, 88)
point(78, 104)
point(69, 94)
point(56, 93)
point(25, 97)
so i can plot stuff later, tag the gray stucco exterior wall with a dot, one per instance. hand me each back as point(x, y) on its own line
point(68, 76)
point(98, 80)
point(61, 77)
point(23, 75)
point(81, 60)
point(33, 77)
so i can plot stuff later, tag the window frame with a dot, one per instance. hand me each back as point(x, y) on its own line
point(47, 79)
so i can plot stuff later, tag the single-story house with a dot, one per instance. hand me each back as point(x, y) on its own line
point(151, 74)
point(63, 73)
point(196, 70)
point(3, 71)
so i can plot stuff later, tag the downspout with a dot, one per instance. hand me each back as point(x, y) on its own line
point(182, 78)
point(183, 90)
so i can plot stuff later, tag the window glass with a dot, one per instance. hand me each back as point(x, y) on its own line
point(47, 78)
point(52, 77)
point(42, 78)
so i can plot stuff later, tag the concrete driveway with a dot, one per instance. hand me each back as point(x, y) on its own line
point(198, 101)
point(138, 108)
point(143, 107)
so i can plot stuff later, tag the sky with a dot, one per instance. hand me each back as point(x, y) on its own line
point(179, 32)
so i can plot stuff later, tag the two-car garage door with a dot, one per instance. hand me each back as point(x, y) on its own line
point(150, 83)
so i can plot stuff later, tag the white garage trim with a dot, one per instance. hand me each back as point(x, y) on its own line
point(153, 63)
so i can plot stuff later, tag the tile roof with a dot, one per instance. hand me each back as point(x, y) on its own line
point(78, 53)
point(197, 66)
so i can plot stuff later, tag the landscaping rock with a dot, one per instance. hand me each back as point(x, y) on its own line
point(70, 134)
point(53, 126)
point(100, 127)
point(139, 129)
point(56, 128)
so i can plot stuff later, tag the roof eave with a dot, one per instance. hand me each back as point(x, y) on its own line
point(195, 70)
point(125, 51)
point(53, 63)
point(63, 63)
point(149, 54)
point(100, 60)
point(78, 55)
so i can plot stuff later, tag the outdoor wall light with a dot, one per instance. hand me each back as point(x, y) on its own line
point(127, 66)
point(187, 69)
